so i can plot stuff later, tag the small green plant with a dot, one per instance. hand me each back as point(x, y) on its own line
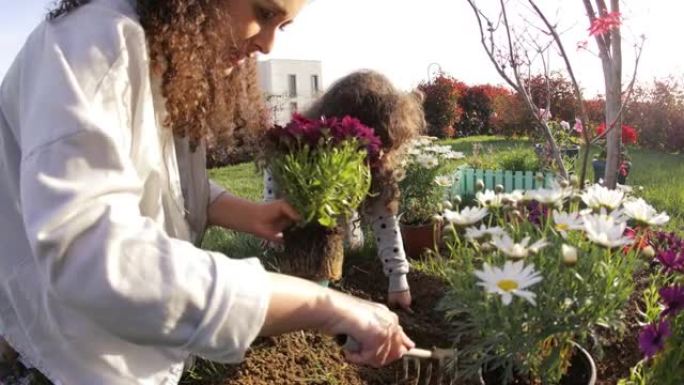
point(323, 166)
point(564, 135)
point(518, 159)
point(422, 187)
point(324, 184)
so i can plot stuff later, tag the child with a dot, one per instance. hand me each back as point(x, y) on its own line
point(397, 118)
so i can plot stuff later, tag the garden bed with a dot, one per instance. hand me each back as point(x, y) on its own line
point(310, 358)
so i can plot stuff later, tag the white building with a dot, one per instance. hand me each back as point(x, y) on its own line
point(290, 85)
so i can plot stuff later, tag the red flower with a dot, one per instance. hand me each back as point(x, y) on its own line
point(629, 133)
point(604, 24)
point(641, 239)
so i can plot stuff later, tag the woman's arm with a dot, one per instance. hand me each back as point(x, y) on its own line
point(298, 304)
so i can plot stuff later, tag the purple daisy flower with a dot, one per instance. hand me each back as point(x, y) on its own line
point(671, 260)
point(652, 338)
point(673, 297)
point(536, 213)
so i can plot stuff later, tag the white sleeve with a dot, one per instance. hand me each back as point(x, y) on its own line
point(80, 199)
point(270, 186)
point(215, 191)
point(391, 253)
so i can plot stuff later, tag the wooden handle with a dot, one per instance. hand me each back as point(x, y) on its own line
point(351, 345)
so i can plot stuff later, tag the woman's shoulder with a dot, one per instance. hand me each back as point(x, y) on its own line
point(93, 36)
point(87, 42)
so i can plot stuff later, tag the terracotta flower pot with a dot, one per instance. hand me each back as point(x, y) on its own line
point(582, 371)
point(313, 252)
point(419, 238)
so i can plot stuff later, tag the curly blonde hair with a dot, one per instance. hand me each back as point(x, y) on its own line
point(397, 118)
point(206, 99)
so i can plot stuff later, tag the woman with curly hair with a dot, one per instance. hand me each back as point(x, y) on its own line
point(397, 118)
point(104, 119)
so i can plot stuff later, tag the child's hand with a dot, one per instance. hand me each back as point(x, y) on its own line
point(400, 299)
point(272, 218)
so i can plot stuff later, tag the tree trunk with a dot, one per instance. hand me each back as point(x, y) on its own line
point(614, 137)
point(612, 69)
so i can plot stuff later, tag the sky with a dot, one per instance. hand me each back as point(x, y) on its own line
point(408, 40)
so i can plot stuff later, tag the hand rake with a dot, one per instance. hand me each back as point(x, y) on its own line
point(436, 360)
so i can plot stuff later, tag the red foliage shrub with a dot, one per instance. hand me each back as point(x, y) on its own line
point(441, 103)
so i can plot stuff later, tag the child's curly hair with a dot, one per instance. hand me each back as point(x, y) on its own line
point(397, 118)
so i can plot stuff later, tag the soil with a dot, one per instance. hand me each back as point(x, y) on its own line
point(309, 358)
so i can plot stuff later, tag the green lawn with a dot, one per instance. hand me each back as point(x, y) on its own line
point(660, 174)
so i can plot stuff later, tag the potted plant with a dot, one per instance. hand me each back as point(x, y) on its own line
point(531, 275)
point(661, 339)
point(568, 140)
point(423, 193)
point(629, 136)
point(323, 170)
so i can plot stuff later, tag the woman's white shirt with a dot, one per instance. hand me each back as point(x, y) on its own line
point(100, 283)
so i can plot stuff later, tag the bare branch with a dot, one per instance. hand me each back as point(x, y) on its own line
point(575, 85)
point(546, 131)
point(490, 51)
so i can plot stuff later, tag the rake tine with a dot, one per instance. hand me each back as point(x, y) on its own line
point(416, 364)
point(440, 370)
point(428, 374)
point(405, 366)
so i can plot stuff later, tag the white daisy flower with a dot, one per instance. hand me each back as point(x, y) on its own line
point(644, 213)
point(466, 217)
point(443, 181)
point(439, 149)
point(549, 197)
point(514, 197)
point(424, 140)
point(617, 215)
point(597, 196)
point(509, 281)
point(454, 155)
point(624, 188)
point(605, 230)
point(427, 161)
point(490, 199)
point(565, 222)
point(414, 151)
point(473, 233)
point(521, 250)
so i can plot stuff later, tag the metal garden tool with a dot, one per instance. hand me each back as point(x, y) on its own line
point(432, 373)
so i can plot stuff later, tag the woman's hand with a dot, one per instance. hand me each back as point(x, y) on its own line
point(271, 218)
point(265, 220)
point(298, 304)
point(400, 299)
point(376, 330)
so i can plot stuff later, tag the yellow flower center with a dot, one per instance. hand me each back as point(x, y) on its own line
point(562, 227)
point(507, 284)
